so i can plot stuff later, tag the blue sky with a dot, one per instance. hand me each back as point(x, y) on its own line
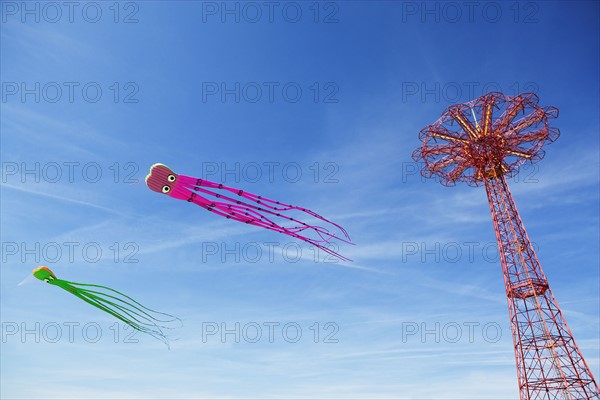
point(371, 76)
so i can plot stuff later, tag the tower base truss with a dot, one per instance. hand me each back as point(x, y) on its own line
point(549, 363)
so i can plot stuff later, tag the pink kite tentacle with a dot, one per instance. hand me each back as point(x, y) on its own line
point(247, 207)
point(263, 204)
point(240, 206)
point(252, 217)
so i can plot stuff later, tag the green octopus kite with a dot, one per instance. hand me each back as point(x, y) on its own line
point(115, 303)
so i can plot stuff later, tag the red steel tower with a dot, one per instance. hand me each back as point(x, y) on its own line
point(483, 142)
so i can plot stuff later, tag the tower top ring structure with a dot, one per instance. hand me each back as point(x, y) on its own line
point(488, 137)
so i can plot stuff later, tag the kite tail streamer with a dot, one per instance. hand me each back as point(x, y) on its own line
point(264, 213)
point(246, 207)
point(115, 303)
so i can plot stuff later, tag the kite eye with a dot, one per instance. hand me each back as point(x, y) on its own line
point(171, 178)
point(46, 280)
point(166, 189)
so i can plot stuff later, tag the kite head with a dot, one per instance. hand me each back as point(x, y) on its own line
point(44, 274)
point(161, 178)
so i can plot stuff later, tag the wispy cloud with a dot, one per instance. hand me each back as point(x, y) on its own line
point(66, 199)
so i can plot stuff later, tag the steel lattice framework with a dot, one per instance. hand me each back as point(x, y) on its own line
point(483, 142)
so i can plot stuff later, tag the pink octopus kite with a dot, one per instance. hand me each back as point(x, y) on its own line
point(264, 212)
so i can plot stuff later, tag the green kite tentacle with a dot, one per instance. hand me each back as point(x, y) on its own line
point(135, 313)
point(94, 298)
point(157, 333)
point(77, 292)
point(130, 311)
point(98, 304)
point(140, 308)
point(102, 307)
point(149, 318)
point(98, 295)
point(143, 320)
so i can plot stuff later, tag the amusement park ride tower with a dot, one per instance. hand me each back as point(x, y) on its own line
point(483, 142)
